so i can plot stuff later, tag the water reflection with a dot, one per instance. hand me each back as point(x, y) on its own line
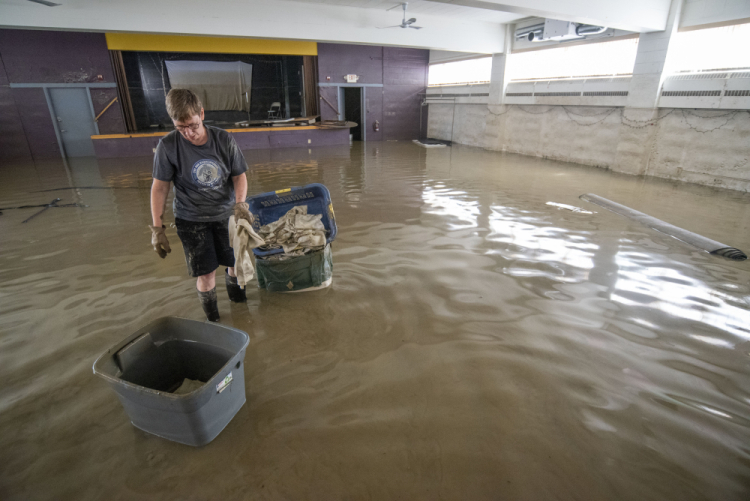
point(538, 248)
point(459, 210)
point(654, 282)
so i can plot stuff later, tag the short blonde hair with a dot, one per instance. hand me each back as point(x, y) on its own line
point(183, 104)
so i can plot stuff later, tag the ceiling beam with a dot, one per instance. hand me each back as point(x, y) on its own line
point(277, 19)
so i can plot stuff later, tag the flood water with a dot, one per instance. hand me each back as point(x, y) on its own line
point(476, 343)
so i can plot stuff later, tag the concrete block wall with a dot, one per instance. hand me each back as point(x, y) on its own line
point(708, 147)
point(463, 124)
point(554, 132)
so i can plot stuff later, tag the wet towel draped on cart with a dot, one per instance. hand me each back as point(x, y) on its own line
point(243, 240)
point(296, 232)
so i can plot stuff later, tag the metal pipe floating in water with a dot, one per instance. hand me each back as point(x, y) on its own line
point(706, 244)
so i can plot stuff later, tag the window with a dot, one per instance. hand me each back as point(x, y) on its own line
point(710, 49)
point(597, 59)
point(461, 72)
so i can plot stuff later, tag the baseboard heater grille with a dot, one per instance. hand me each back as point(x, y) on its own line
point(691, 93)
point(606, 93)
point(485, 94)
point(568, 94)
point(710, 76)
point(698, 76)
point(557, 94)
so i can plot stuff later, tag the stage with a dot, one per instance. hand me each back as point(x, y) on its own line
point(248, 138)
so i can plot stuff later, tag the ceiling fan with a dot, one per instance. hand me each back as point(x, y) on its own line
point(45, 2)
point(405, 23)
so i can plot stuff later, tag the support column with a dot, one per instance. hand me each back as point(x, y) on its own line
point(497, 79)
point(494, 130)
point(636, 135)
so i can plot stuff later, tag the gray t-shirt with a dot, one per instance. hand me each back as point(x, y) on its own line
point(202, 175)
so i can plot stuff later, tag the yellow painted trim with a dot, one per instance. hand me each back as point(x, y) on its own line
point(261, 129)
point(123, 136)
point(158, 134)
point(283, 191)
point(221, 45)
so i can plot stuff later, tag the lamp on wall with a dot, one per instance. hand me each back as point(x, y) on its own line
point(351, 78)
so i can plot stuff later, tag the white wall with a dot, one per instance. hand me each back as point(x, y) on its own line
point(445, 56)
point(699, 12)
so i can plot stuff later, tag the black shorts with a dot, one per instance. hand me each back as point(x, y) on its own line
point(206, 245)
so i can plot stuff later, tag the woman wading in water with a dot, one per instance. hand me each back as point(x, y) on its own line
point(208, 171)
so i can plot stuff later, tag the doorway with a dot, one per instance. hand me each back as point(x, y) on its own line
point(353, 110)
point(71, 108)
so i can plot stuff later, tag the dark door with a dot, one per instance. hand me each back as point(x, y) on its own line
point(353, 110)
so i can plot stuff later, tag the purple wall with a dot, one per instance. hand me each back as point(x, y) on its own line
point(44, 57)
point(337, 60)
point(55, 56)
point(404, 77)
point(395, 105)
point(37, 123)
point(13, 143)
point(112, 121)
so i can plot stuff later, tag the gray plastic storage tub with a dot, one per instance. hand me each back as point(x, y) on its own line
point(148, 366)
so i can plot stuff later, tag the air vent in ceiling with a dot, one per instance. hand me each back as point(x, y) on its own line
point(553, 30)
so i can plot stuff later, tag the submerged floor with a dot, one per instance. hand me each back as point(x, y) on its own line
point(475, 344)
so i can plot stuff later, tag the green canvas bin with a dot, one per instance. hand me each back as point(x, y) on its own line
point(313, 270)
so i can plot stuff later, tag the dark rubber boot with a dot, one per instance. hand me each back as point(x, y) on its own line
point(236, 293)
point(210, 305)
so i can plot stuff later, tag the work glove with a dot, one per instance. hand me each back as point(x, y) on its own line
point(159, 241)
point(242, 211)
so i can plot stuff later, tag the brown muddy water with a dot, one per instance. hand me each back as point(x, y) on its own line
point(475, 344)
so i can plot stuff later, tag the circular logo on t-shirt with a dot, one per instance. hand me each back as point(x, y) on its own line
point(206, 173)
